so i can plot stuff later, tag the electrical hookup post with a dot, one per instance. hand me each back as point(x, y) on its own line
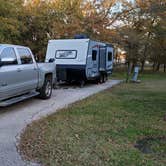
point(135, 75)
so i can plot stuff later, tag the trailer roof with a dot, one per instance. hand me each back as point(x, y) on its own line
point(68, 40)
point(87, 39)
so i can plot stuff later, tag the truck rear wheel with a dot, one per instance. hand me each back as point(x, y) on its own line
point(46, 90)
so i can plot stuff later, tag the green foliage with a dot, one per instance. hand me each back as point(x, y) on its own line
point(33, 23)
point(143, 35)
point(10, 24)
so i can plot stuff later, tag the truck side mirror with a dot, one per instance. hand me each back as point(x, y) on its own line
point(51, 60)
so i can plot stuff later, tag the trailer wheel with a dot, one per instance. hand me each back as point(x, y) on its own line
point(101, 79)
point(104, 78)
point(46, 90)
point(82, 83)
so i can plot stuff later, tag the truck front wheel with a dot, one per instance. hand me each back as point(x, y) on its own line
point(46, 90)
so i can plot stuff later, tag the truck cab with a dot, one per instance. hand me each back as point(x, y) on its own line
point(20, 74)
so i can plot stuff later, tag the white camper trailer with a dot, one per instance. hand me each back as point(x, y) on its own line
point(81, 59)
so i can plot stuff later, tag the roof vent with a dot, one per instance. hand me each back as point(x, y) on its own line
point(80, 36)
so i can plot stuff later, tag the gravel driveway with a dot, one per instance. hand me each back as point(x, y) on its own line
point(15, 118)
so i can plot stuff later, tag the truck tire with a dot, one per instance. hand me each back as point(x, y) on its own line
point(46, 90)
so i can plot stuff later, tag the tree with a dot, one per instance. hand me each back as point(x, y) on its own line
point(55, 19)
point(9, 21)
point(144, 31)
point(154, 13)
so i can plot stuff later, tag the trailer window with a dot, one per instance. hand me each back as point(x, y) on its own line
point(66, 54)
point(109, 56)
point(94, 55)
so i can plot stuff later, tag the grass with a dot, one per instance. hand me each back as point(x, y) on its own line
point(103, 129)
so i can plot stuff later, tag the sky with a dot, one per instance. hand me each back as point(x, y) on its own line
point(119, 7)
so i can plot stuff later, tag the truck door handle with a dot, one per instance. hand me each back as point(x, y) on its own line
point(19, 70)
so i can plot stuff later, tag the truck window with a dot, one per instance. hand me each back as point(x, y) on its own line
point(25, 56)
point(8, 56)
point(109, 56)
point(94, 55)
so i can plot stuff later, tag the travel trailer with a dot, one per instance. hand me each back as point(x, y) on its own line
point(81, 59)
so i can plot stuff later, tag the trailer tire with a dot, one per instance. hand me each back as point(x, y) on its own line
point(46, 90)
point(82, 83)
point(101, 79)
point(104, 78)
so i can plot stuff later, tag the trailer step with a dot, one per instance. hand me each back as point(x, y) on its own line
point(18, 99)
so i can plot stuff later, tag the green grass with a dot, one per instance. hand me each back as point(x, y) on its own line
point(103, 129)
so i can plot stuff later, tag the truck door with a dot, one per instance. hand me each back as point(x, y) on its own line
point(109, 59)
point(28, 70)
point(102, 59)
point(9, 75)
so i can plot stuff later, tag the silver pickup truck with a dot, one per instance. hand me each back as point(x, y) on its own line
point(21, 77)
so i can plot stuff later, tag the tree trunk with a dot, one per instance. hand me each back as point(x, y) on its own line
point(158, 67)
point(154, 65)
point(145, 54)
point(164, 67)
point(142, 66)
point(128, 71)
point(133, 66)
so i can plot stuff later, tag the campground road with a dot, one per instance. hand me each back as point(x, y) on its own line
point(14, 119)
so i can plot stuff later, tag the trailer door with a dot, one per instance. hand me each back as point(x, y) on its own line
point(109, 59)
point(95, 53)
point(102, 59)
